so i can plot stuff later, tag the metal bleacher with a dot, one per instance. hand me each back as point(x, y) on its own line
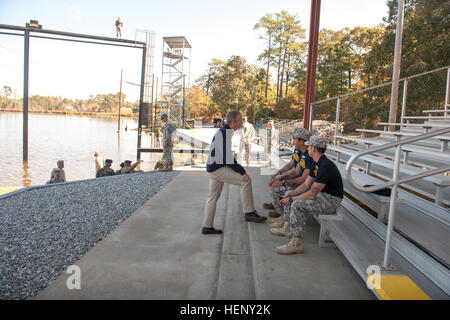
point(421, 228)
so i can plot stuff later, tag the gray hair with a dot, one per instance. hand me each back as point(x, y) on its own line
point(232, 116)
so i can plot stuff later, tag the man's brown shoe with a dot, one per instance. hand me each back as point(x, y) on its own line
point(254, 217)
point(274, 214)
point(268, 206)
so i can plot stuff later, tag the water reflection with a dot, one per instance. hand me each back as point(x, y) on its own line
point(26, 177)
point(73, 139)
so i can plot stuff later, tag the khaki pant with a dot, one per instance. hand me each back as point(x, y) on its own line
point(216, 181)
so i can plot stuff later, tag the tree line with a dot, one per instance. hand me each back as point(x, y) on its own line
point(348, 60)
point(100, 103)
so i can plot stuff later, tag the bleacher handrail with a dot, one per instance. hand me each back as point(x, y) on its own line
point(395, 179)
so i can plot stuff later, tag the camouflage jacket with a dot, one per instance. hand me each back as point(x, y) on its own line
point(129, 169)
point(168, 130)
point(104, 172)
point(62, 176)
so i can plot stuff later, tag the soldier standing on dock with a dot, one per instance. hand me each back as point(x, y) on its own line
point(168, 130)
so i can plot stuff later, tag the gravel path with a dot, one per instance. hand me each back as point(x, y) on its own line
point(44, 230)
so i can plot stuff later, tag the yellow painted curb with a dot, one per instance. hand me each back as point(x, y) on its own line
point(397, 287)
point(4, 190)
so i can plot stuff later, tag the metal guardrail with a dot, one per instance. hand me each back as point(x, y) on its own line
point(395, 179)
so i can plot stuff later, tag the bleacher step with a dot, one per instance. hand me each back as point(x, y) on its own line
point(363, 249)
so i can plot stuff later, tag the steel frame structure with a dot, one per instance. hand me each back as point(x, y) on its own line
point(175, 78)
point(32, 31)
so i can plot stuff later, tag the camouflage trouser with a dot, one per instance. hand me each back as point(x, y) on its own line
point(167, 156)
point(279, 192)
point(324, 203)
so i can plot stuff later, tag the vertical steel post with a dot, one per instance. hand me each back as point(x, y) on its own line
point(447, 93)
point(141, 102)
point(405, 92)
point(120, 101)
point(338, 111)
point(311, 61)
point(390, 226)
point(397, 61)
point(152, 124)
point(26, 61)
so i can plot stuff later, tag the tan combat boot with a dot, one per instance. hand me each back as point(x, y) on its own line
point(285, 230)
point(268, 205)
point(274, 214)
point(294, 246)
point(277, 222)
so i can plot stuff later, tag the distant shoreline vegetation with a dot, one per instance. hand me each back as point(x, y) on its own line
point(73, 113)
point(100, 104)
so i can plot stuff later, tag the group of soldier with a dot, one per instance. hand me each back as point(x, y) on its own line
point(125, 168)
point(103, 168)
point(309, 184)
point(58, 174)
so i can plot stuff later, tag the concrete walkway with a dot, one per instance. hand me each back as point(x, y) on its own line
point(159, 253)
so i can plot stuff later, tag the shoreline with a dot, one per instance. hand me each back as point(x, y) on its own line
point(69, 113)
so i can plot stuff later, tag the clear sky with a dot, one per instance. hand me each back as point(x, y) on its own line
point(215, 29)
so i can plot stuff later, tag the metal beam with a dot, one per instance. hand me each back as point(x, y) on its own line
point(311, 61)
point(141, 103)
point(70, 34)
point(85, 41)
point(26, 60)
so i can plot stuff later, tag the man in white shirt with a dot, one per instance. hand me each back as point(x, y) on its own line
point(98, 162)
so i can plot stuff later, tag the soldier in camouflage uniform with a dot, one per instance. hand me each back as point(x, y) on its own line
point(129, 168)
point(62, 175)
point(106, 170)
point(288, 180)
point(56, 176)
point(321, 193)
point(168, 130)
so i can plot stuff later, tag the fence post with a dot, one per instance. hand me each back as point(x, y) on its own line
point(405, 90)
point(338, 110)
point(311, 112)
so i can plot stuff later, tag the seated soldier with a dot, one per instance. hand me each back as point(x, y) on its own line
point(321, 193)
point(60, 164)
point(56, 176)
point(106, 170)
point(294, 177)
point(291, 169)
point(129, 168)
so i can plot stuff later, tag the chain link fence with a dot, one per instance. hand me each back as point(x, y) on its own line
point(365, 109)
